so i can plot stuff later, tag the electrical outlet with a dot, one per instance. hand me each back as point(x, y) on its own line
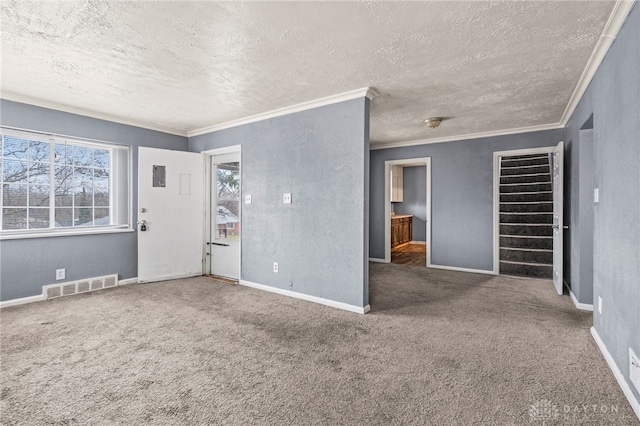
point(60, 274)
point(247, 199)
point(290, 285)
point(286, 198)
point(634, 369)
point(600, 305)
point(596, 195)
point(275, 267)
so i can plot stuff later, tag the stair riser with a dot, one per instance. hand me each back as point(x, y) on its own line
point(524, 171)
point(525, 243)
point(527, 256)
point(525, 162)
point(545, 218)
point(527, 270)
point(523, 208)
point(544, 178)
point(546, 231)
point(526, 197)
point(535, 187)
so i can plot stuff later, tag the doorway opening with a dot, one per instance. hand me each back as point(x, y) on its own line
point(223, 225)
point(528, 210)
point(408, 211)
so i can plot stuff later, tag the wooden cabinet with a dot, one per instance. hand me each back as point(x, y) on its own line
point(401, 230)
point(397, 184)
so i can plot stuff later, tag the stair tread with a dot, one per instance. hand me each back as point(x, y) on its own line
point(525, 236)
point(524, 167)
point(525, 263)
point(527, 249)
point(526, 224)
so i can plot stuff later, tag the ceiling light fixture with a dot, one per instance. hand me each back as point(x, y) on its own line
point(433, 122)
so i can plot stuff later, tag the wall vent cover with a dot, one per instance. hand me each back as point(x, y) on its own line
point(81, 286)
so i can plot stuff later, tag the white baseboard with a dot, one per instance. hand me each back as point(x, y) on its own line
point(22, 301)
point(128, 281)
point(308, 298)
point(581, 306)
point(377, 260)
point(420, 243)
point(626, 389)
point(455, 268)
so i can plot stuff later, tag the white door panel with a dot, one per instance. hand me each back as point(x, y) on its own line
point(172, 210)
point(557, 174)
point(225, 218)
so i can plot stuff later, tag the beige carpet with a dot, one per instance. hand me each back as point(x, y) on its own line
point(437, 348)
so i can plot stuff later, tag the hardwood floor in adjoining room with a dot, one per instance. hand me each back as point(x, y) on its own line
point(409, 254)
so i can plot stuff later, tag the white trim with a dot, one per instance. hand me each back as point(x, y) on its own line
point(496, 194)
point(172, 277)
point(22, 301)
point(88, 113)
point(377, 260)
point(63, 232)
point(506, 132)
point(329, 100)
point(128, 281)
point(426, 161)
point(418, 243)
point(308, 298)
point(581, 306)
point(626, 389)
point(455, 268)
point(224, 150)
point(611, 29)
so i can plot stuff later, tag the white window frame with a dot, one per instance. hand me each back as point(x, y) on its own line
point(115, 187)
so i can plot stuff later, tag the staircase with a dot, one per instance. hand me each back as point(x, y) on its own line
point(526, 216)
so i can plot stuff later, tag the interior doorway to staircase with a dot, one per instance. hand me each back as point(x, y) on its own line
point(528, 213)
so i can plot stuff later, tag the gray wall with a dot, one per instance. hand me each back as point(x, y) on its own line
point(461, 195)
point(28, 264)
point(414, 200)
point(320, 240)
point(614, 100)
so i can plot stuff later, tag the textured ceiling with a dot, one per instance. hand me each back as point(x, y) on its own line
point(486, 66)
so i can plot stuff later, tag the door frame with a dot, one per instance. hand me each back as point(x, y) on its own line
point(496, 194)
point(206, 260)
point(422, 161)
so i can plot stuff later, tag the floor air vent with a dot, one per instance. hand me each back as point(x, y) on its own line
point(81, 286)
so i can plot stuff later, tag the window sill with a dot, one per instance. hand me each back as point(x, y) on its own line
point(65, 232)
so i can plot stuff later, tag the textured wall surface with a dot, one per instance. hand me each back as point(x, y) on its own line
point(616, 133)
point(320, 156)
point(461, 195)
point(28, 264)
point(415, 200)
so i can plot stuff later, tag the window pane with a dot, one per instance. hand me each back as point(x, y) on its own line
point(39, 173)
point(14, 218)
point(83, 217)
point(101, 217)
point(14, 195)
point(15, 147)
point(64, 154)
point(14, 171)
point(39, 195)
point(38, 218)
point(82, 156)
point(101, 191)
point(83, 186)
point(64, 217)
point(101, 158)
point(39, 151)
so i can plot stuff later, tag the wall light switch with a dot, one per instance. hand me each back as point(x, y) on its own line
point(599, 305)
point(634, 369)
point(596, 195)
point(286, 198)
point(247, 199)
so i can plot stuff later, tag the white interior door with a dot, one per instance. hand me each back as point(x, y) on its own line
point(170, 214)
point(224, 241)
point(557, 175)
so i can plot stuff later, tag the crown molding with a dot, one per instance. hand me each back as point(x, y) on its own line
point(619, 14)
point(333, 99)
point(387, 145)
point(10, 96)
